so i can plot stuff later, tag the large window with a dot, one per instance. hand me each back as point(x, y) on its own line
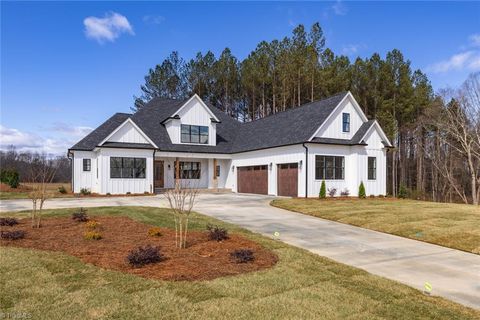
point(189, 170)
point(329, 168)
point(194, 134)
point(346, 122)
point(130, 168)
point(372, 168)
point(87, 164)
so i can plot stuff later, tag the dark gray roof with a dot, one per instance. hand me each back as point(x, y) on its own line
point(128, 145)
point(98, 135)
point(293, 126)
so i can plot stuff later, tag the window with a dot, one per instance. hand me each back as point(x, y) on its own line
point(372, 168)
point(346, 122)
point(128, 168)
point(329, 168)
point(217, 171)
point(189, 170)
point(87, 164)
point(194, 134)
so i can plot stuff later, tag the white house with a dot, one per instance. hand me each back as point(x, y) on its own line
point(285, 154)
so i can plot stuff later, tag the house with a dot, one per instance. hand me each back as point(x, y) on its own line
point(286, 154)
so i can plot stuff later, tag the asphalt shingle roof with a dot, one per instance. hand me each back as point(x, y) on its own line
point(293, 126)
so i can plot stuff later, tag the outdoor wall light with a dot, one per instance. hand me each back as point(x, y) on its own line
point(233, 168)
point(270, 166)
point(169, 167)
point(300, 164)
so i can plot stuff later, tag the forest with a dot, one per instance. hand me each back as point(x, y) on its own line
point(436, 134)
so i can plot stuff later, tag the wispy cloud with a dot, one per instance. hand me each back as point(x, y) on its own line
point(467, 60)
point(339, 8)
point(153, 19)
point(352, 49)
point(108, 28)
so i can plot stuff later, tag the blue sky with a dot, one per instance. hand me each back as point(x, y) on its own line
point(68, 66)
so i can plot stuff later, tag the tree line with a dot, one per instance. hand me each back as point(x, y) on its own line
point(287, 73)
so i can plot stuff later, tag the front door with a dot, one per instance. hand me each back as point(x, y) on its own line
point(158, 177)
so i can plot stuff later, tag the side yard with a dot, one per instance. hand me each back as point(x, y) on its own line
point(24, 188)
point(301, 285)
point(451, 225)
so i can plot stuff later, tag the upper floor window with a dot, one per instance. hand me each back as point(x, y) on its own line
point(87, 164)
point(127, 167)
point(346, 122)
point(194, 134)
point(329, 168)
point(372, 168)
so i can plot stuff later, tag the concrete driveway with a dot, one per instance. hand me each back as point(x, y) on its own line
point(453, 274)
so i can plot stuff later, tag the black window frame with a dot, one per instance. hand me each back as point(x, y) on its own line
point(194, 134)
point(372, 170)
point(345, 122)
point(87, 164)
point(329, 167)
point(128, 168)
point(217, 171)
point(189, 170)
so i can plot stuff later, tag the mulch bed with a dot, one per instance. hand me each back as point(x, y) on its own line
point(201, 260)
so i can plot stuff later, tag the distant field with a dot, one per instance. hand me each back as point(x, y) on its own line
point(23, 190)
point(451, 225)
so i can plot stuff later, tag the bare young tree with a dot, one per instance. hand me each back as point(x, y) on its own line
point(181, 199)
point(42, 172)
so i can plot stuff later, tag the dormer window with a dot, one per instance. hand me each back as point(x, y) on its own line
point(194, 134)
point(346, 122)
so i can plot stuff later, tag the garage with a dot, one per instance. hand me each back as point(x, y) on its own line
point(287, 179)
point(252, 179)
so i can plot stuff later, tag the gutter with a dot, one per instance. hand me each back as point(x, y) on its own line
point(306, 169)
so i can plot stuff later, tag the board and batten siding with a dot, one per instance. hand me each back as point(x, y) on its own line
point(85, 179)
point(128, 134)
point(333, 127)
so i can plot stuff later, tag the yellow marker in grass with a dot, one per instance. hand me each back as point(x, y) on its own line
point(276, 234)
point(428, 287)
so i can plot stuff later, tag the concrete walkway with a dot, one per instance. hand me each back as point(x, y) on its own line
point(453, 274)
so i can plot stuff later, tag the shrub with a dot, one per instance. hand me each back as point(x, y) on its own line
point(80, 216)
point(144, 255)
point(242, 255)
point(323, 191)
point(402, 191)
point(85, 192)
point(12, 235)
point(345, 192)
point(216, 233)
point(155, 232)
point(371, 196)
point(8, 222)
point(62, 190)
point(92, 224)
point(128, 192)
point(381, 196)
point(109, 194)
point(361, 191)
point(10, 177)
point(92, 235)
point(332, 192)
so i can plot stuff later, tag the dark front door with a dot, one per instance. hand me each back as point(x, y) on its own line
point(158, 176)
point(287, 179)
point(253, 179)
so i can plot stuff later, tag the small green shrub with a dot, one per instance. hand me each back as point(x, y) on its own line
point(242, 255)
point(128, 192)
point(85, 192)
point(144, 255)
point(92, 225)
point(361, 191)
point(8, 222)
point(92, 235)
point(155, 232)
point(109, 194)
point(10, 177)
point(80, 216)
point(12, 235)
point(323, 190)
point(62, 190)
point(381, 196)
point(402, 192)
point(216, 233)
point(371, 196)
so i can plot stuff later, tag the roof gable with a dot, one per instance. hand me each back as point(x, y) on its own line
point(128, 132)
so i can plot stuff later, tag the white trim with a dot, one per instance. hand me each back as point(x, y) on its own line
point(195, 96)
point(379, 129)
point(135, 126)
point(355, 105)
point(191, 155)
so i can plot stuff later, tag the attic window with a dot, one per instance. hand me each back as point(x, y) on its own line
point(194, 134)
point(346, 122)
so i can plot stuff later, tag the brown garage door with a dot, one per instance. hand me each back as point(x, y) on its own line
point(287, 182)
point(252, 179)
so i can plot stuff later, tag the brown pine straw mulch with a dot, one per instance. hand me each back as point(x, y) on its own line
point(201, 260)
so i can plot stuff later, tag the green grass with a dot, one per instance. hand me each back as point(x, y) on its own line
point(301, 286)
point(451, 225)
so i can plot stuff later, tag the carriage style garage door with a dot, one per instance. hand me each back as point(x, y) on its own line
point(287, 179)
point(252, 179)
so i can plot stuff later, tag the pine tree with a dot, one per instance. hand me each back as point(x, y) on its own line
point(323, 190)
point(361, 191)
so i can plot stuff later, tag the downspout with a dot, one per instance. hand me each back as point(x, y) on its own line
point(72, 164)
point(306, 170)
point(152, 186)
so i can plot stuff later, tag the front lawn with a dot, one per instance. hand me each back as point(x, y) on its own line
point(302, 285)
point(23, 191)
point(451, 225)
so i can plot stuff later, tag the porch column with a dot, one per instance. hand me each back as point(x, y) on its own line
point(215, 180)
point(177, 170)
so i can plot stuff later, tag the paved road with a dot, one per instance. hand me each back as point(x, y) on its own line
point(453, 274)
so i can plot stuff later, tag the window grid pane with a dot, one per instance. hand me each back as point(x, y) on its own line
point(194, 134)
point(329, 168)
point(128, 168)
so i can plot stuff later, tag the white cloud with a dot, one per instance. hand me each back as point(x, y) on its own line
point(153, 19)
point(475, 40)
point(61, 138)
point(108, 28)
point(468, 60)
point(340, 8)
point(352, 49)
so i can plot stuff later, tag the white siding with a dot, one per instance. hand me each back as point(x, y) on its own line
point(333, 127)
point(85, 179)
point(128, 133)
